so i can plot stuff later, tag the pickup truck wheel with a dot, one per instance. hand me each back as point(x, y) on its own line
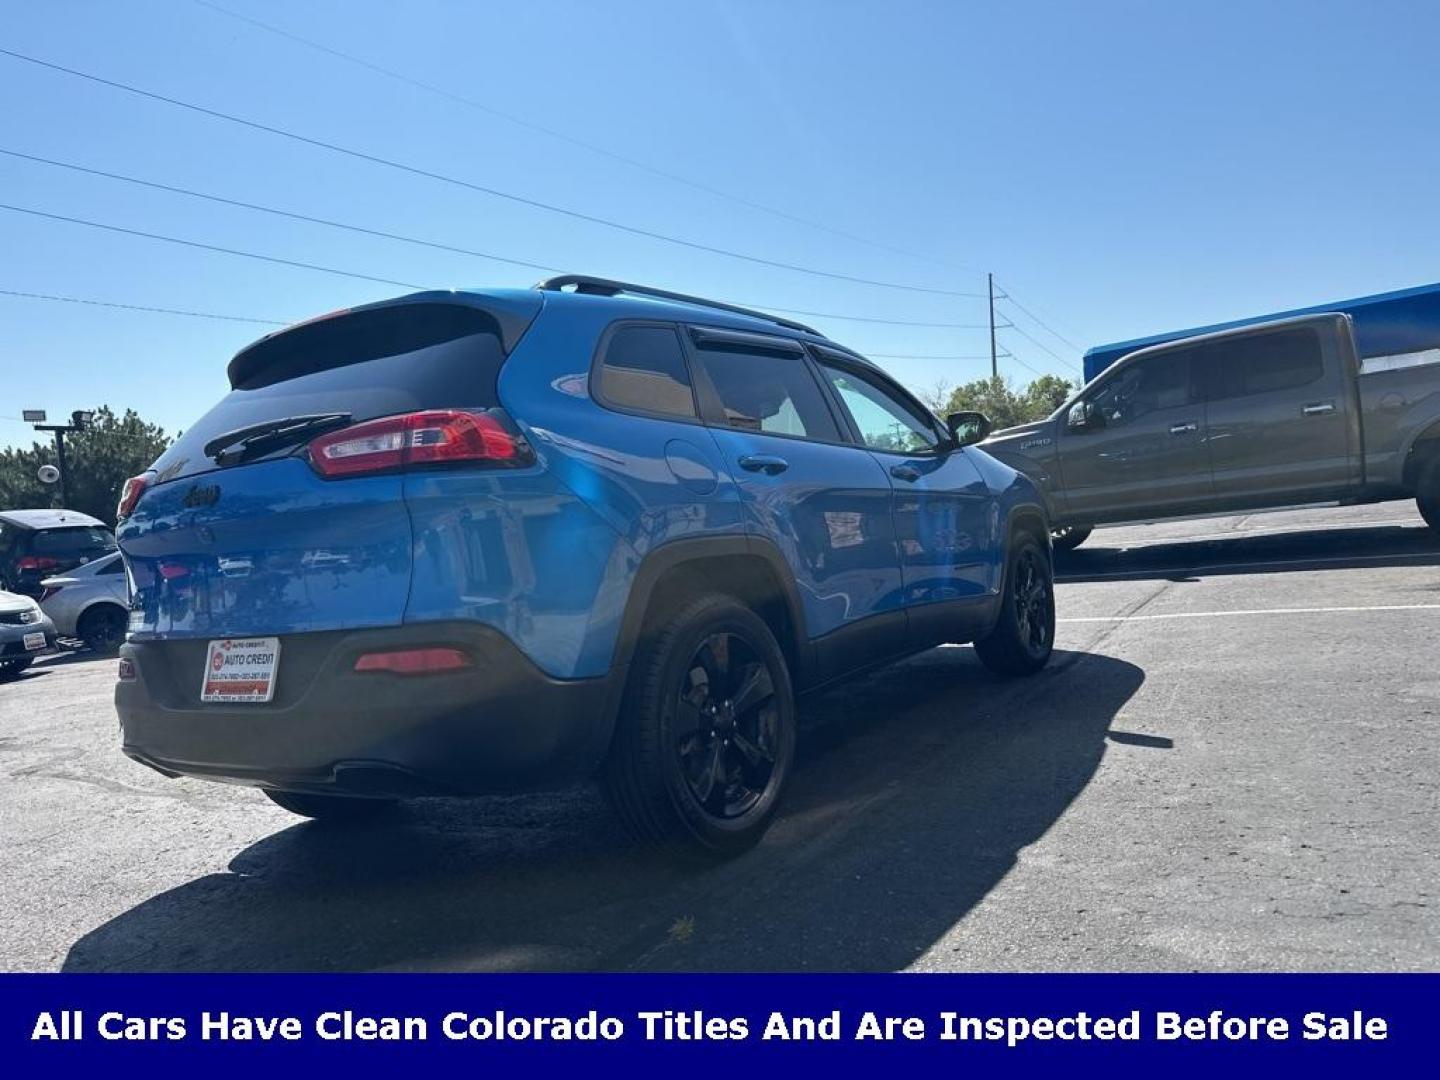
point(706, 736)
point(1070, 537)
point(1024, 634)
point(341, 809)
point(1427, 495)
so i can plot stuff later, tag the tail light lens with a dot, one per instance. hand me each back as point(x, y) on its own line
point(36, 562)
point(130, 495)
point(433, 437)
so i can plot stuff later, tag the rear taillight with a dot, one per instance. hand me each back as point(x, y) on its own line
point(433, 661)
point(125, 672)
point(130, 495)
point(433, 437)
point(36, 562)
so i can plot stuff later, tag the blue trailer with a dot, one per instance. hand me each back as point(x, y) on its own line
point(1389, 327)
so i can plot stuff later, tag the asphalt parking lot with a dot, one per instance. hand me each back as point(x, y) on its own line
point(1231, 763)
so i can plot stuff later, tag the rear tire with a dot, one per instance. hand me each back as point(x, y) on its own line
point(102, 628)
point(1427, 495)
point(1024, 634)
point(11, 669)
point(341, 809)
point(706, 735)
point(1070, 537)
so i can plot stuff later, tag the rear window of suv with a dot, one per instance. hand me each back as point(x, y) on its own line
point(81, 541)
point(378, 363)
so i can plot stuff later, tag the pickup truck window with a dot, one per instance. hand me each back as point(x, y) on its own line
point(1282, 360)
point(1163, 381)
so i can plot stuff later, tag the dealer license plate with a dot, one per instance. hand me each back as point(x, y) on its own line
point(241, 670)
point(34, 641)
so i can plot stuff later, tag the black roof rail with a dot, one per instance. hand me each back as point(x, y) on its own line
point(598, 286)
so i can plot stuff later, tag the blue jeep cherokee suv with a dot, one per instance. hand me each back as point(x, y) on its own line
point(467, 542)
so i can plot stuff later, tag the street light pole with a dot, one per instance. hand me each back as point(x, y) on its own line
point(79, 421)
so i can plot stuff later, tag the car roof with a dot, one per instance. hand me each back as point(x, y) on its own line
point(48, 519)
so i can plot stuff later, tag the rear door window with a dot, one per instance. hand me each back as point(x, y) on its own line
point(769, 392)
point(419, 356)
point(1280, 360)
point(644, 370)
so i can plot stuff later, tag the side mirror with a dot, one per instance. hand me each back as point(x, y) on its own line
point(1083, 416)
point(967, 428)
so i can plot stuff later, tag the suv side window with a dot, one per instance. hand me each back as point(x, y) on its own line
point(644, 370)
point(771, 392)
point(1282, 360)
point(1163, 381)
point(885, 422)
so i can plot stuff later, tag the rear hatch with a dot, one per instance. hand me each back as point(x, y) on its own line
point(237, 533)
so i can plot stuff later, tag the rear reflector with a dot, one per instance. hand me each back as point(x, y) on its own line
point(433, 437)
point(414, 661)
point(126, 669)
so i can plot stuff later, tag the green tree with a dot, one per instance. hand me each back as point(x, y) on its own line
point(100, 459)
point(1006, 406)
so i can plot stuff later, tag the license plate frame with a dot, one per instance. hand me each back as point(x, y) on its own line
point(34, 641)
point(240, 671)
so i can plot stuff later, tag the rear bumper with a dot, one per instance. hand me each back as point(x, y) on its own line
point(502, 725)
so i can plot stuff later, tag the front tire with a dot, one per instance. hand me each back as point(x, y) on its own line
point(340, 809)
point(706, 735)
point(1069, 537)
point(1427, 495)
point(11, 669)
point(1024, 634)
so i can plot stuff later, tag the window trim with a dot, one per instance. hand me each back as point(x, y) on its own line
point(594, 382)
point(712, 409)
point(823, 357)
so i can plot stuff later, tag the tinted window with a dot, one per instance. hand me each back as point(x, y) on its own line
point(772, 392)
point(80, 541)
point(644, 369)
point(1164, 381)
point(885, 421)
point(1257, 365)
point(456, 373)
point(114, 566)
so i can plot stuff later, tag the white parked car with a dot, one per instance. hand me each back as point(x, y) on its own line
point(25, 633)
point(91, 602)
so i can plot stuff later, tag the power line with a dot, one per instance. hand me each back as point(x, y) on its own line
point(1037, 320)
point(490, 110)
point(211, 247)
point(922, 356)
point(1045, 348)
point(134, 307)
point(469, 185)
point(369, 277)
point(401, 238)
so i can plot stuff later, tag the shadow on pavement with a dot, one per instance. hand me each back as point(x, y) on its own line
point(917, 788)
point(1318, 549)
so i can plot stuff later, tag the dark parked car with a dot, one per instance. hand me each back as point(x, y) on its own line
point(36, 544)
point(468, 541)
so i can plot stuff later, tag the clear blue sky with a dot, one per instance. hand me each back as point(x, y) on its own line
point(1122, 167)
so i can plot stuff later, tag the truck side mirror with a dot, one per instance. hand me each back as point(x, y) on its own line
point(1083, 416)
point(967, 428)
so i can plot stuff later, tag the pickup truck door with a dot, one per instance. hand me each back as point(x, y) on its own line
point(1133, 445)
point(1282, 416)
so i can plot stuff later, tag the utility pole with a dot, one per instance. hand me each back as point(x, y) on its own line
point(79, 421)
point(994, 363)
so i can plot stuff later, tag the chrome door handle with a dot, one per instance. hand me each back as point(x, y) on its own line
point(1319, 408)
point(768, 464)
point(1185, 428)
point(905, 472)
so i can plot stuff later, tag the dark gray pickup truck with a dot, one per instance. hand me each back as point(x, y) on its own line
point(1275, 414)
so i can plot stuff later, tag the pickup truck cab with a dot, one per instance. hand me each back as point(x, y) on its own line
point(1260, 416)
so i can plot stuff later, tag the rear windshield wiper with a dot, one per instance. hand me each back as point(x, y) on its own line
point(235, 446)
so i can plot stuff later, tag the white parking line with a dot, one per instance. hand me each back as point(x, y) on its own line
point(1253, 611)
point(1172, 571)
